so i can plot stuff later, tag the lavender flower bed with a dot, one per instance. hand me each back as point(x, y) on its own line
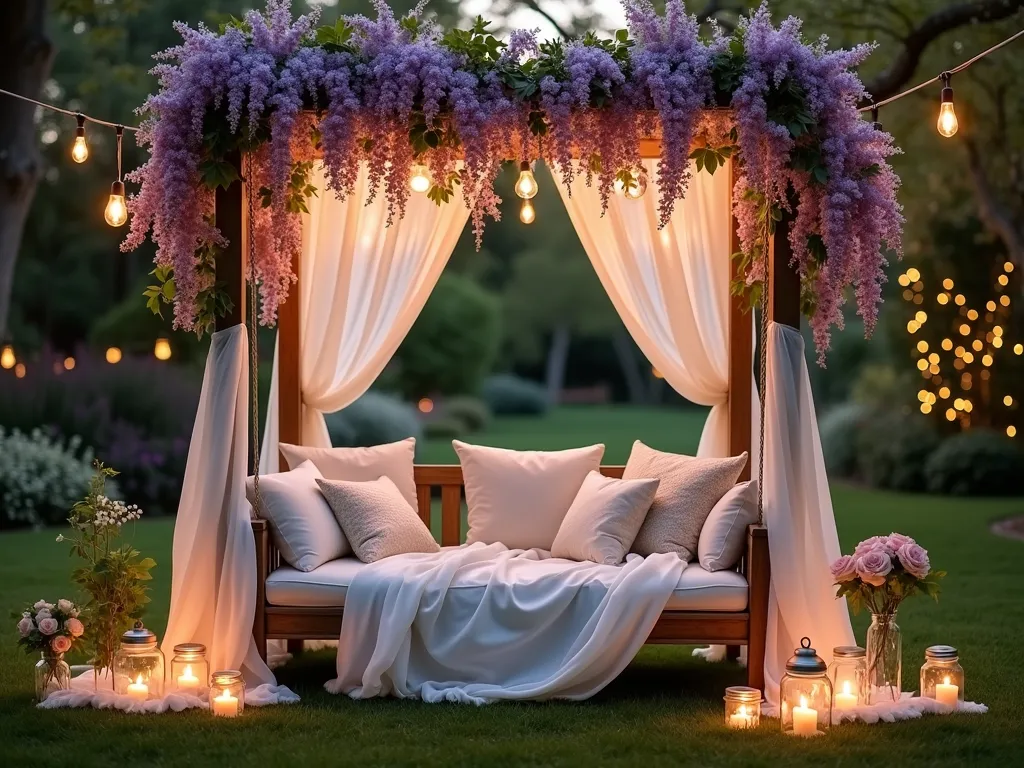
point(393, 92)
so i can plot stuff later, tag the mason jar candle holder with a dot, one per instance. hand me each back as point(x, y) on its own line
point(942, 677)
point(742, 707)
point(849, 675)
point(139, 665)
point(190, 671)
point(227, 693)
point(805, 694)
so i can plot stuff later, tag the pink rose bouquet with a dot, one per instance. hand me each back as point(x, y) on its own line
point(49, 628)
point(883, 571)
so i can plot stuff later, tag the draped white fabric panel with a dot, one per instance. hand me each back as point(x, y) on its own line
point(802, 534)
point(213, 578)
point(361, 286)
point(669, 286)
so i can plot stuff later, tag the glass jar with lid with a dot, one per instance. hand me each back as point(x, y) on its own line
point(849, 675)
point(139, 665)
point(942, 677)
point(742, 707)
point(805, 694)
point(190, 671)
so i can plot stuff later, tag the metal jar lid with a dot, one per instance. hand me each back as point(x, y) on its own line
point(848, 652)
point(226, 677)
point(138, 636)
point(742, 694)
point(189, 649)
point(941, 653)
point(805, 660)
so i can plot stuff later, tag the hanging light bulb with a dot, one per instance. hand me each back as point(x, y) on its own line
point(947, 123)
point(634, 188)
point(80, 150)
point(874, 119)
point(526, 186)
point(162, 349)
point(527, 213)
point(116, 212)
point(7, 358)
point(419, 178)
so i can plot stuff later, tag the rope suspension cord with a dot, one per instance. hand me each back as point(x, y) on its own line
point(959, 68)
point(762, 378)
point(253, 332)
point(70, 113)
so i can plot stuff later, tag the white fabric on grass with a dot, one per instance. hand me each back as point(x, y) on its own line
point(361, 286)
point(482, 623)
point(908, 707)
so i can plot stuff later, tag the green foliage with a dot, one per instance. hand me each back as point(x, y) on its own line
point(712, 158)
point(336, 38)
point(471, 412)
point(132, 328)
point(298, 190)
point(453, 343)
point(885, 599)
point(893, 449)
point(477, 44)
point(444, 428)
point(839, 428)
point(976, 463)
point(508, 395)
point(373, 419)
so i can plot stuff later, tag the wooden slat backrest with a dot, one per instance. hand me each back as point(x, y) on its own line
point(448, 478)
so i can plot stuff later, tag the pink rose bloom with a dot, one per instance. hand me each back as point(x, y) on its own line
point(844, 569)
point(872, 544)
point(873, 567)
point(74, 627)
point(897, 540)
point(25, 626)
point(914, 558)
point(48, 625)
point(61, 644)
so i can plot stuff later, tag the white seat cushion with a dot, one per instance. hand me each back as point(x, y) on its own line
point(697, 590)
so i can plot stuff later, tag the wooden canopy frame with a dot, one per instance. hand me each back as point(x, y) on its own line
point(733, 629)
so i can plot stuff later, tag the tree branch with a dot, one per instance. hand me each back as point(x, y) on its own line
point(992, 213)
point(534, 6)
point(915, 42)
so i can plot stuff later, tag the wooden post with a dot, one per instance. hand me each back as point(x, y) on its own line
point(230, 213)
point(784, 282)
point(289, 352)
point(741, 354)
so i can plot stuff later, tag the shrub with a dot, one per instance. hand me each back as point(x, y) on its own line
point(133, 328)
point(471, 412)
point(893, 448)
point(509, 395)
point(41, 476)
point(839, 428)
point(976, 463)
point(444, 428)
point(373, 419)
point(452, 344)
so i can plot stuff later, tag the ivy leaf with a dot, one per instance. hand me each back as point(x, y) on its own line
point(820, 174)
point(218, 173)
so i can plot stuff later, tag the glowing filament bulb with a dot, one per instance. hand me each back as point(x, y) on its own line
point(527, 214)
point(7, 358)
point(947, 122)
point(526, 185)
point(634, 189)
point(162, 349)
point(80, 150)
point(419, 178)
point(116, 212)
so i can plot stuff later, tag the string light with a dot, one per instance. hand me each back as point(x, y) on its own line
point(116, 212)
point(947, 122)
point(634, 188)
point(162, 349)
point(526, 185)
point(527, 214)
point(419, 178)
point(113, 355)
point(1011, 431)
point(7, 358)
point(19, 370)
point(80, 150)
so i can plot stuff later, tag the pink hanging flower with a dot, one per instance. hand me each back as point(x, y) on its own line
point(61, 644)
point(873, 567)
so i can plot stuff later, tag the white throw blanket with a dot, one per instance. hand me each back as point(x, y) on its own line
point(482, 623)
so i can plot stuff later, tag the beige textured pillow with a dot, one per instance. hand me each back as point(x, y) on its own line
point(376, 518)
point(604, 519)
point(393, 460)
point(689, 489)
point(519, 498)
point(725, 531)
point(301, 522)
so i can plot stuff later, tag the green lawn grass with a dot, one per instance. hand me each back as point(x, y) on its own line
point(665, 709)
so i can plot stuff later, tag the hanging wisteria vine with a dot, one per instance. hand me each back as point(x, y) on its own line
point(397, 92)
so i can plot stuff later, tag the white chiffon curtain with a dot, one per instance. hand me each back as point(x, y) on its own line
point(361, 286)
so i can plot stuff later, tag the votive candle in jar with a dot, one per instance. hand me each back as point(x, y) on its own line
point(805, 694)
point(849, 673)
point(139, 665)
point(942, 677)
point(227, 693)
point(190, 671)
point(742, 707)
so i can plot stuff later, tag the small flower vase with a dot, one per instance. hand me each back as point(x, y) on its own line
point(52, 674)
point(885, 658)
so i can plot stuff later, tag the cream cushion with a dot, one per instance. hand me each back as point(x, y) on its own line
point(519, 498)
point(393, 460)
point(689, 489)
point(301, 522)
point(376, 520)
point(724, 532)
point(327, 586)
point(604, 519)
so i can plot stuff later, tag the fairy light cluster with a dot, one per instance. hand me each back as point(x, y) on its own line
point(957, 373)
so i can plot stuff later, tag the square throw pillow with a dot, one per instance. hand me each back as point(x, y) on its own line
point(393, 460)
point(301, 521)
point(376, 518)
point(725, 531)
point(519, 498)
point(604, 519)
point(689, 489)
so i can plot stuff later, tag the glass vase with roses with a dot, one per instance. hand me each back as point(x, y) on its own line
point(51, 629)
point(880, 574)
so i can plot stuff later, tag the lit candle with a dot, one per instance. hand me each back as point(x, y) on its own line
point(947, 693)
point(805, 719)
point(187, 681)
point(845, 699)
point(138, 690)
point(225, 705)
point(742, 718)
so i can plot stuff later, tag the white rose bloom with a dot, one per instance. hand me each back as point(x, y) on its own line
point(65, 606)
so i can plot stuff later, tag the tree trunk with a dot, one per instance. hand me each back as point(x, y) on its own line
point(26, 55)
point(558, 359)
point(623, 346)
